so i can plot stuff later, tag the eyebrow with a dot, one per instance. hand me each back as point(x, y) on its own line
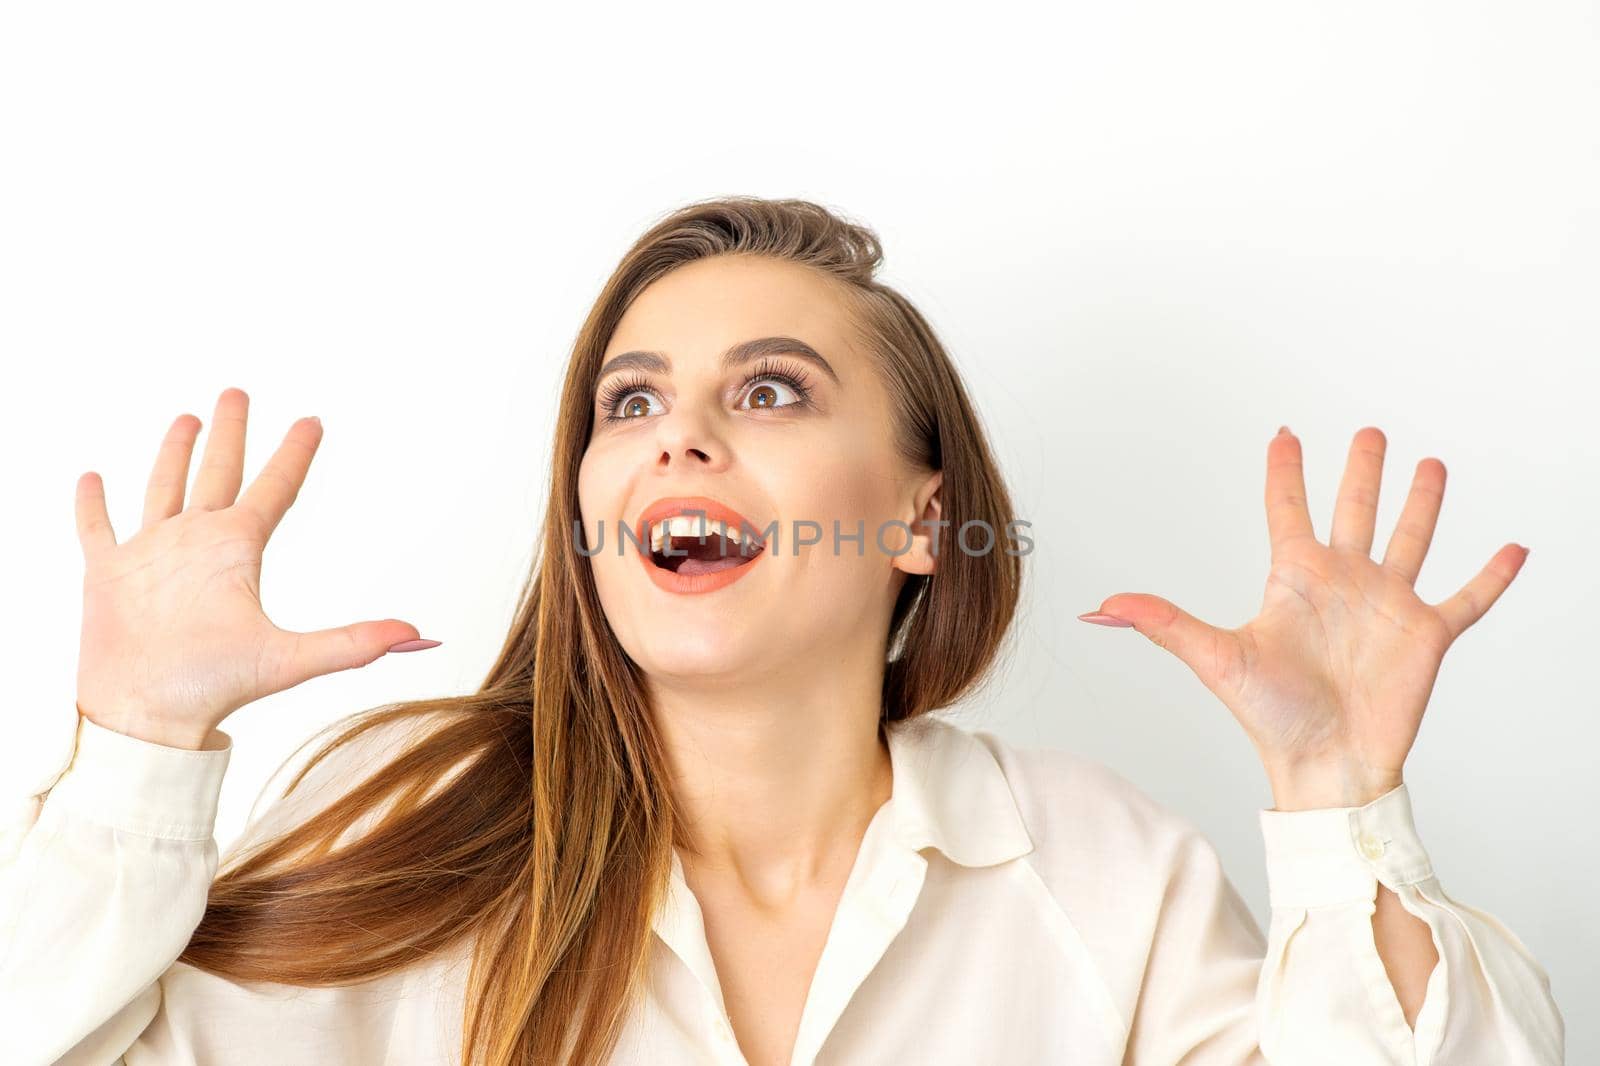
point(740, 353)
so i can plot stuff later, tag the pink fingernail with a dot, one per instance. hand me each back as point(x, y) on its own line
point(1101, 619)
point(414, 645)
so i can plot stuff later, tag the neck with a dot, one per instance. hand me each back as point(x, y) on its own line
point(779, 777)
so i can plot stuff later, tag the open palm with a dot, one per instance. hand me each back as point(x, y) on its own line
point(1330, 680)
point(174, 636)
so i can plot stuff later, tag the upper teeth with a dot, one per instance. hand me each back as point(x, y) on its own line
point(684, 525)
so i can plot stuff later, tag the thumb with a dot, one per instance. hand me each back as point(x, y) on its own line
point(325, 651)
point(1208, 651)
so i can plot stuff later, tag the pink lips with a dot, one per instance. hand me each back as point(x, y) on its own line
point(714, 511)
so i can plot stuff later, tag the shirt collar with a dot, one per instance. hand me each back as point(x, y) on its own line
point(950, 793)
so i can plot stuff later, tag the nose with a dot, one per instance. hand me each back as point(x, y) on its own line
point(687, 439)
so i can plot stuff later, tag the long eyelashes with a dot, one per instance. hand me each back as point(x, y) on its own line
point(783, 373)
point(613, 394)
point(767, 370)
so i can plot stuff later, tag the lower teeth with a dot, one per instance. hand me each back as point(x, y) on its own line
point(690, 565)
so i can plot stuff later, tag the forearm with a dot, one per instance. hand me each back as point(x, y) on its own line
point(1405, 943)
point(103, 880)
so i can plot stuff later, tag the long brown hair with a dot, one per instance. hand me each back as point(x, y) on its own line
point(535, 815)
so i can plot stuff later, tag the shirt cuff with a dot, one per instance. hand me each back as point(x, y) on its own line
point(137, 786)
point(1337, 855)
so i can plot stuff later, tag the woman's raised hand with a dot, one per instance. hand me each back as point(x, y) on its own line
point(1331, 679)
point(174, 638)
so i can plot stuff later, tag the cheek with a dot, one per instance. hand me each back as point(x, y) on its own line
point(844, 484)
point(598, 488)
point(866, 474)
point(599, 502)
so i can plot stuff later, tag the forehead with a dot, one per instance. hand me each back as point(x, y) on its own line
point(702, 308)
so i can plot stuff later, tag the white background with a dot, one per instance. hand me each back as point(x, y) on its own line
point(1149, 233)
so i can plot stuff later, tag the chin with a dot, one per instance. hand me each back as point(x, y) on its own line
point(687, 655)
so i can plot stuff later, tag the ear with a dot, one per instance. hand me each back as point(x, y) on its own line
point(929, 534)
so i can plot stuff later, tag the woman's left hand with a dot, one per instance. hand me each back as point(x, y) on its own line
point(1331, 679)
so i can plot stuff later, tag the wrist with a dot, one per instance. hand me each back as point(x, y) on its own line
point(1304, 786)
point(153, 731)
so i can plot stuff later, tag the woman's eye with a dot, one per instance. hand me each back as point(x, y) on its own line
point(633, 405)
point(635, 398)
point(771, 393)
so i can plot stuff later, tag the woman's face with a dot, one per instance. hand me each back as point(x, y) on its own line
point(682, 421)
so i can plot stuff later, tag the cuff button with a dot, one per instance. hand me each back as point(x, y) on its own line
point(1371, 846)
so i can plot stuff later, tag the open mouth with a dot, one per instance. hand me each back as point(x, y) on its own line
point(684, 545)
point(695, 544)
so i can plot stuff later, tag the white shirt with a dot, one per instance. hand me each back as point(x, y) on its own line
point(1007, 906)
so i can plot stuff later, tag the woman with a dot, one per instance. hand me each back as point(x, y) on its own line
point(700, 810)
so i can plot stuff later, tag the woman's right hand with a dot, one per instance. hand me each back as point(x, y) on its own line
point(174, 638)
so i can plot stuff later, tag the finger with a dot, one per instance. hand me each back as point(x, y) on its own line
point(1213, 654)
point(163, 494)
point(222, 465)
point(1408, 545)
point(1479, 594)
point(302, 656)
point(275, 489)
point(1355, 514)
point(94, 525)
point(1287, 517)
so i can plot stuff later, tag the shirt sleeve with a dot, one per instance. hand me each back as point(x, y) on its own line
point(1323, 993)
point(103, 879)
